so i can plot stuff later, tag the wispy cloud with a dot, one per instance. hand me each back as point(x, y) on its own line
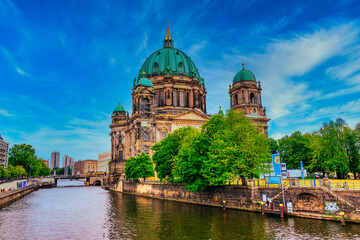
point(6, 113)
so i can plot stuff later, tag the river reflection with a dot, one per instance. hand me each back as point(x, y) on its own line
point(93, 213)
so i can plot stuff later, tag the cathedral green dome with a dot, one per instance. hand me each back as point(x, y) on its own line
point(119, 108)
point(244, 75)
point(169, 60)
point(145, 82)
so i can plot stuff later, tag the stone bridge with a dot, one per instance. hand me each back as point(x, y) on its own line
point(95, 181)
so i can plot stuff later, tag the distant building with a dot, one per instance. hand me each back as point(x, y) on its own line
point(85, 166)
point(47, 163)
point(67, 161)
point(103, 160)
point(55, 159)
point(4, 150)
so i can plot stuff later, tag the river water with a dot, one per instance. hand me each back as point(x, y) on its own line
point(93, 213)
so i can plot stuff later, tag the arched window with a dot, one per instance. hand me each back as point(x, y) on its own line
point(156, 98)
point(162, 98)
point(187, 99)
point(120, 139)
point(252, 98)
point(181, 67)
point(156, 67)
point(236, 100)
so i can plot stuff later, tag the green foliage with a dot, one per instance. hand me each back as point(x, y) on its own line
point(12, 172)
point(167, 150)
point(226, 148)
point(295, 148)
point(329, 149)
point(273, 145)
point(139, 167)
point(22, 154)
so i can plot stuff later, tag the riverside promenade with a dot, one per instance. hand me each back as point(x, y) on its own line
point(319, 201)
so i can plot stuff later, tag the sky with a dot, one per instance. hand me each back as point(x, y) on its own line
point(65, 64)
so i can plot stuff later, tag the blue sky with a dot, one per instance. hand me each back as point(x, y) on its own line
point(64, 65)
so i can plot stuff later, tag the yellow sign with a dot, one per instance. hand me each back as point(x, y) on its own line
point(277, 159)
point(266, 179)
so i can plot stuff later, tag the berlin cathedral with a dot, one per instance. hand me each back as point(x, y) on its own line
point(168, 94)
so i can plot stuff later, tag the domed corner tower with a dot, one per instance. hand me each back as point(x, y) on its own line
point(119, 121)
point(177, 82)
point(245, 96)
point(143, 96)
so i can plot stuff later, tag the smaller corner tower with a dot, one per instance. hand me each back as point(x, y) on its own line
point(119, 120)
point(143, 96)
point(245, 96)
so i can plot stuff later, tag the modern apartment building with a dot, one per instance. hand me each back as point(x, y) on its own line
point(4, 150)
point(55, 159)
point(103, 160)
point(67, 161)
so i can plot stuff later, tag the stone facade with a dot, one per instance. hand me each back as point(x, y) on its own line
point(85, 166)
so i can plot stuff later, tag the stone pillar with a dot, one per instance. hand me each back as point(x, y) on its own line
point(191, 99)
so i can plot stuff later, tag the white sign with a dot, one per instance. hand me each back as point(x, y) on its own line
point(289, 207)
point(264, 197)
point(143, 124)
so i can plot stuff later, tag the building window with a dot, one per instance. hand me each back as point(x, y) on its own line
point(156, 99)
point(162, 98)
point(121, 156)
point(236, 99)
point(156, 67)
point(252, 98)
point(188, 99)
point(174, 98)
point(120, 139)
point(163, 135)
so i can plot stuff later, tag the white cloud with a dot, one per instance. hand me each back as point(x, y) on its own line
point(6, 113)
point(20, 71)
point(143, 44)
point(287, 58)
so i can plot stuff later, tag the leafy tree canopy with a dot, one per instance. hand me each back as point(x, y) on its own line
point(167, 150)
point(139, 167)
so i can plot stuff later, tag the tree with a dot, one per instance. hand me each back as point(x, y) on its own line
point(352, 140)
point(139, 167)
point(226, 148)
point(166, 151)
point(274, 146)
point(329, 149)
point(294, 149)
point(22, 154)
point(189, 163)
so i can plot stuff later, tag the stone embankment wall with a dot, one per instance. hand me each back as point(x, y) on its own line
point(12, 195)
point(309, 202)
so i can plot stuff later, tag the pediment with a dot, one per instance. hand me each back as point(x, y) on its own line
point(191, 115)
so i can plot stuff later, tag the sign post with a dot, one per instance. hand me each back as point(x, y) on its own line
point(277, 169)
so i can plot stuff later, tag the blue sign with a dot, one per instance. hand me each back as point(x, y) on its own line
point(302, 170)
point(276, 164)
point(272, 180)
